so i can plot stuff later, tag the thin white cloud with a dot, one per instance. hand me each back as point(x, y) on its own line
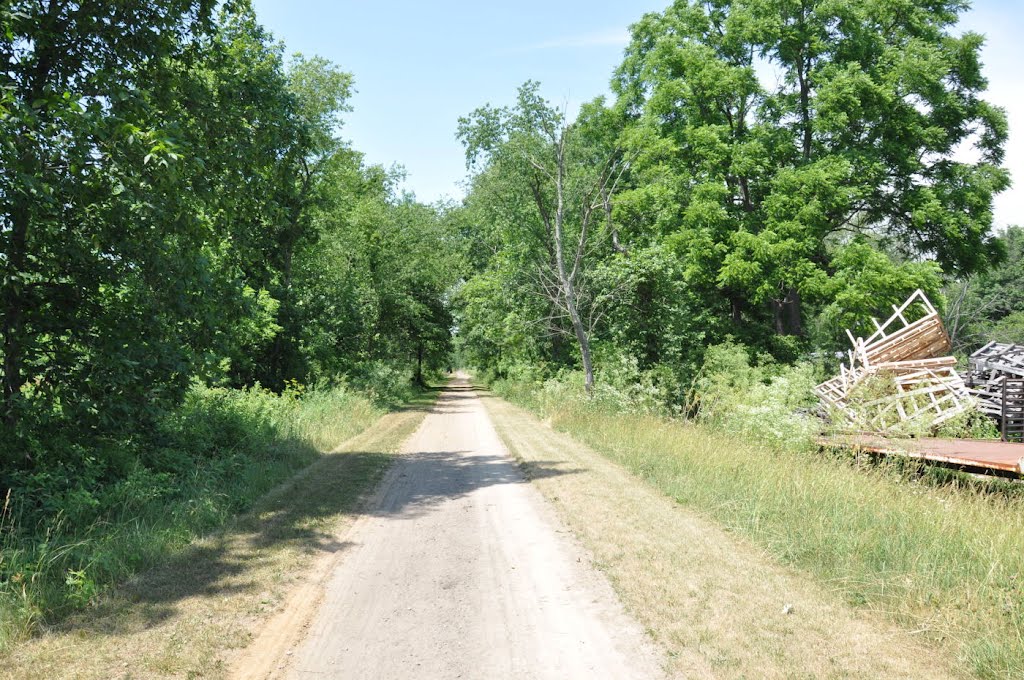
point(1001, 59)
point(617, 37)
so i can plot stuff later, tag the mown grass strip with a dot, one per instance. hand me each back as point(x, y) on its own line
point(185, 616)
point(716, 604)
point(946, 563)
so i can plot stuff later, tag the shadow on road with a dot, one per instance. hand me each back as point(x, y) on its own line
point(299, 518)
point(424, 480)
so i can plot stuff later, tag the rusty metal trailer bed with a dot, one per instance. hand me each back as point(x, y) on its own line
point(977, 456)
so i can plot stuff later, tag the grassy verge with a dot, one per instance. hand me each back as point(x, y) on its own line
point(944, 562)
point(70, 534)
point(190, 614)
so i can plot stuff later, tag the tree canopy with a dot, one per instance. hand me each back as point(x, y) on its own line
point(790, 167)
point(177, 205)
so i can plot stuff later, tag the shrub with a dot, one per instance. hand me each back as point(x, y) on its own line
point(766, 402)
point(70, 530)
point(384, 383)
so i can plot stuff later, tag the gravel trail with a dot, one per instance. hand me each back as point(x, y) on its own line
point(460, 569)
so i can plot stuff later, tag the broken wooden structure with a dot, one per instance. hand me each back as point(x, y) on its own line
point(996, 379)
point(908, 357)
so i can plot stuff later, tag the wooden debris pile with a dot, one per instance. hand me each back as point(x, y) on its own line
point(996, 379)
point(909, 360)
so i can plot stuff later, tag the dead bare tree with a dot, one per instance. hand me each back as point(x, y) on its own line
point(563, 285)
point(571, 182)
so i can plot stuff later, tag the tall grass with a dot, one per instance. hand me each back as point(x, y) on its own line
point(67, 533)
point(945, 560)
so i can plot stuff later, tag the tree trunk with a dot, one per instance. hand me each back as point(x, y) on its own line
point(786, 314)
point(588, 365)
point(792, 311)
point(419, 364)
point(567, 284)
point(13, 296)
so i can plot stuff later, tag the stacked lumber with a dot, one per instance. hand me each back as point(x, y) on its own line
point(909, 356)
point(990, 367)
point(996, 379)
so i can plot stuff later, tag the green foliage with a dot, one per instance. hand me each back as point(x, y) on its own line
point(622, 387)
point(765, 402)
point(542, 185)
point(90, 331)
point(654, 316)
point(70, 531)
point(1010, 328)
point(971, 424)
point(183, 208)
point(383, 383)
point(867, 283)
point(989, 305)
point(757, 176)
point(186, 244)
point(778, 211)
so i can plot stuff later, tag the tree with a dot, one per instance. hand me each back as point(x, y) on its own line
point(160, 162)
point(530, 150)
point(867, 283)
point(990, 305)
point(177, 207)
point(89, 166)
point(856, 131)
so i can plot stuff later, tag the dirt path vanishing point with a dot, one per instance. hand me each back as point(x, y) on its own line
point(460, 569)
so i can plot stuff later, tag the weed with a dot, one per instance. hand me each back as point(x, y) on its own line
point(70, 532)
point(934, 552)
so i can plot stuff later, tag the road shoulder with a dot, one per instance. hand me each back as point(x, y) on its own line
point(194, 615)
point(717, 605)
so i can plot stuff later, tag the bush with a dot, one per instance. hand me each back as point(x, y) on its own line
point(767, 402)
point(68, 531)
point(622, 386)
point(385, 384)
point(764, 401)
point(619, 386)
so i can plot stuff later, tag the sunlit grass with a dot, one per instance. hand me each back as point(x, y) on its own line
point(218, 453)
point(940, 555)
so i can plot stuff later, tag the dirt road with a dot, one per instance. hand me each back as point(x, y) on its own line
point(460, 569)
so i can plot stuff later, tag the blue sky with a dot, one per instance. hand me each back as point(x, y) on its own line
point(418, 66)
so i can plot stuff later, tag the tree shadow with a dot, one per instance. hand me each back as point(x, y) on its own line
point(299, 516)
point(427, 479)
point(296, 516)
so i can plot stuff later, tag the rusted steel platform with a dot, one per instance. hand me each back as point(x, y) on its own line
point(979, 456)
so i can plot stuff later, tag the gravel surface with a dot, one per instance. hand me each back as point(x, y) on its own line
point(460, 569)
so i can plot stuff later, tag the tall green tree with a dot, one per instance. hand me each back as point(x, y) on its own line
point(790, 125)
point(561, 180)
point(89, 169)
point(160, 165)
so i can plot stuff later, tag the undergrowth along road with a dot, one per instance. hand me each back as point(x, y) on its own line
point(189, 616)
point(943, 563)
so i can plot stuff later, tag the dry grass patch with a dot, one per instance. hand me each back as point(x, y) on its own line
point(189, 617)
point(719, 605)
